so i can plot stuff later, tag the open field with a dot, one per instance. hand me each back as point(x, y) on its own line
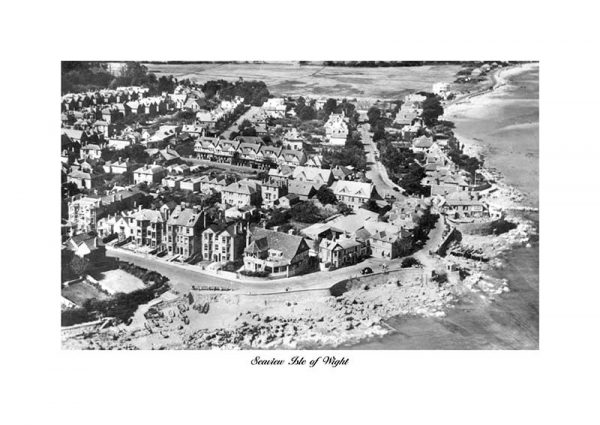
point(312, 80)
point(114, 281)
point(79, 292)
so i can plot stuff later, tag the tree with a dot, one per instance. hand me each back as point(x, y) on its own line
point(305, 212)
point(325, 196)
point(374, 114)
point(432, 109)
point(344, 209)
point(79, 265)
point(329, 107)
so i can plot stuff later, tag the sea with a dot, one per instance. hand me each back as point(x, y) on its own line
point(506, 125)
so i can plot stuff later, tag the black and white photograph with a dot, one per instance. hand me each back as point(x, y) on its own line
point(312, 212)
point(299, 205)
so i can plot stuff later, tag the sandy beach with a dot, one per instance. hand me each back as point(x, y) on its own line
point(502, 126)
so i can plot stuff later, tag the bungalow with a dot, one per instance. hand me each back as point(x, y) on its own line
point(85, 245)
point(172, 182)
point(119, 143)
point(277, 253)
point(292, 140)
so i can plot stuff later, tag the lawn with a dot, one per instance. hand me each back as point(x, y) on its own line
point(79, 292)
point(118, 280)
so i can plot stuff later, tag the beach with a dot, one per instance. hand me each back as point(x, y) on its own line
point(501, 126)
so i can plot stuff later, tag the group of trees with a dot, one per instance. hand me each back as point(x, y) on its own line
point(77, 76)
point(351, 154)
point(253, 92)
point(432, 109)
point(136, 153)
point(462, 160)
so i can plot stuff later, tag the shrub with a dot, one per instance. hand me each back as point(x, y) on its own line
point(258, 273)
point(75, 316)
point(410, 262)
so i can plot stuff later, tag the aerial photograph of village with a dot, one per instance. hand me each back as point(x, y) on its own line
point(354, 205)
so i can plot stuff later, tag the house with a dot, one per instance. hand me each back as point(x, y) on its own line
point(443, 181)
point(205, 147)
point(304, 190)
point(172, 182)
point(226, 150)
point(292, 140)
point(314, 160)
point(75, 136)
point(184, 231)
point(168, 156)
point(206, 119)
point(120, 143)
point(406, 115)
point(441, 89)
point(274, 107)
point(269, 154)
point(192, 184)
point(291, 157)
point(318, 176)
point(208, 185)
point(284, 172)
point(84, 180)
point(84, 213)
point(241, 193)
point(149, 174)
point(120, 166)
point(336, 129)
point(223, 242)
point(384, 239)
point(271, 191)
point(458, 205)
point(277, 253)
point(249, 151)
point(162, 137)
point(287, 201)
point(342, 173)
point(352, 193)
point(91, 151)
point(341, 252)
point(422, 144)
point(150, 228)
point(86, 245)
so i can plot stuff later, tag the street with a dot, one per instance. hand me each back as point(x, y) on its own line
point(376, 171)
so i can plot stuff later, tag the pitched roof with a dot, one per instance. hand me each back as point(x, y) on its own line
point(301, 188)
point(351, 188)
point(289, 245)
point(183, 217)
point(311, 173)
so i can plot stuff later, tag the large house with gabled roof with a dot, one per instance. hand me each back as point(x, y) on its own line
point(354, 194)
point(277, 253)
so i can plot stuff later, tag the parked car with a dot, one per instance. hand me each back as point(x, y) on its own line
point(366, 270)
point(396, 189)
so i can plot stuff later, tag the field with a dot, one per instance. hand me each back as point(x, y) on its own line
point(114, 281)
point(292, 79)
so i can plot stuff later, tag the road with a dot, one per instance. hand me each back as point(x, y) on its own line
point(377, 172)
point(182, 277)
point(248, 115)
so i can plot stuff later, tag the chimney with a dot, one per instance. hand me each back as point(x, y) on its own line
point(204, 219)
point(140, 208)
